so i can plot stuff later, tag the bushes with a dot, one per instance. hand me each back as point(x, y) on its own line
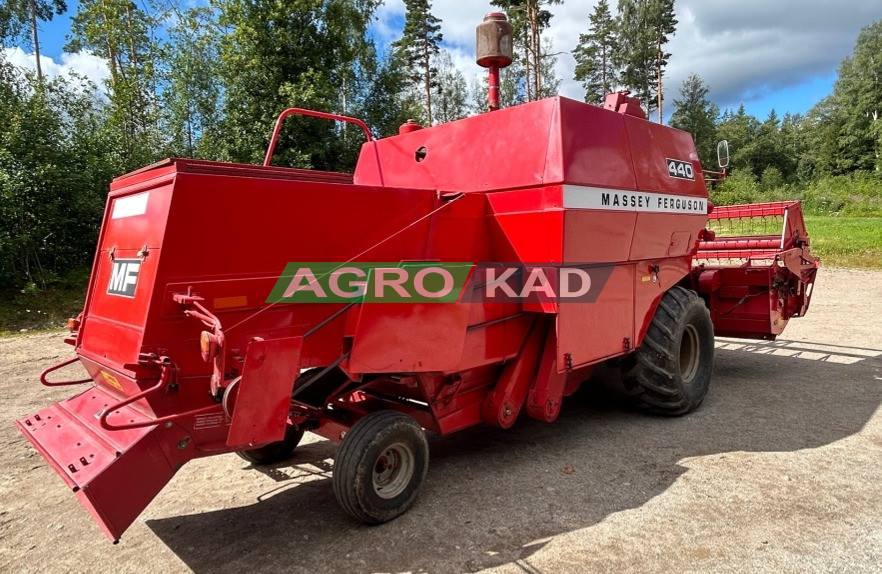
point(855, 195)
point(739, 187)
point(54, 174)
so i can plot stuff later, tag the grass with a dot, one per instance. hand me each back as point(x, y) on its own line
point(838, 241)
point(846, 241)
point(40, 310)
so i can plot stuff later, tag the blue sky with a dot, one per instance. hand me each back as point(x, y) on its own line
point(780, 55)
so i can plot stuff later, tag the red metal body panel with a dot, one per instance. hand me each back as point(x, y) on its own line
point(263, 394)
point(549, 183)
point(115, 475)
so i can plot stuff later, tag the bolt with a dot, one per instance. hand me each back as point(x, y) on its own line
point(168, 424)
point(182, 444)
point(507, 411)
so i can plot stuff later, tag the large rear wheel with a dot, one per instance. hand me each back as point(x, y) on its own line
point(380, 466)
point(669, 374)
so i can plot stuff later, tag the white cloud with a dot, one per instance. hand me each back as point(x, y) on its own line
point(388, 14)
point(748, 49)
point(743, 49)
point(83, 64)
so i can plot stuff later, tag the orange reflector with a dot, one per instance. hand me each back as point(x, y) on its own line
point(229, 302)
point(205, 342)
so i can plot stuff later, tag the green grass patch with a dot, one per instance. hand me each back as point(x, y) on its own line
point(40, 310)
point(846, 241)
point(843, 213)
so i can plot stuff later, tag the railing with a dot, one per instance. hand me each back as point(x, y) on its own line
point(303, 112)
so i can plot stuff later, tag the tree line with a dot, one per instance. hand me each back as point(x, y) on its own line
point(840, 136)
point(208, 82)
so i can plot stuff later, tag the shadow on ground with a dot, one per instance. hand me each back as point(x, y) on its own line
point(493, 497)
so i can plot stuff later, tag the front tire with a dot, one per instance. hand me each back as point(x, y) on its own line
point(380, 466)
point(669, 374)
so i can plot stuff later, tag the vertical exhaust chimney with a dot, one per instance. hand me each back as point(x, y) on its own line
point(494, 51)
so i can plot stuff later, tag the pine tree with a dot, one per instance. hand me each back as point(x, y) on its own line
point(644, 28)
point(530, 19)
point(419, 45)
point(594, 54)
point(538, 19)
point(549, 82)
point(697, 115)
point(663, 24)
point(16, 16)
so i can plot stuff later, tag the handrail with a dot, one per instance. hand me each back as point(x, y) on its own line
point(304, 112)
point(46, 372)
point(102, 420)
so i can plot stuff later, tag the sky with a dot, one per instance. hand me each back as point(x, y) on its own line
point(765, 54)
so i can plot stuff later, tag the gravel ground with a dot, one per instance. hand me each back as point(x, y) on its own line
point(778, 471)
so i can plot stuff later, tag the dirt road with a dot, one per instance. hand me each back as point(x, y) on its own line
point(779, 471)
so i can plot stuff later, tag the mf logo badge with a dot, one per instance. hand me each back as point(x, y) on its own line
point(124, 277)
point(680, 169)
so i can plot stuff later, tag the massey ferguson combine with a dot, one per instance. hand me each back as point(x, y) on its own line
point(466, 273)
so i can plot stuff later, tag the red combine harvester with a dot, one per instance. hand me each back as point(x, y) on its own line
point(191, 354)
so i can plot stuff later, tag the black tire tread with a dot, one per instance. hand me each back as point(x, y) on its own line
point(357, 442)
point(273, 452)
point(649, 374)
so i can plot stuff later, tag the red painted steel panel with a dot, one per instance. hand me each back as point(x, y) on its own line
point(659, 235)
point(594, 236)
point(263, 394)
point(590, 332)
point(134, 235)
point(460, 231)
point(114, 473)
point(533, 237)
point(409, 338)
point(652, 146)
point(474, 154)
point(595, 149)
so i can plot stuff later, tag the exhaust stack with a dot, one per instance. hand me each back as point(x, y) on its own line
point(493, 48)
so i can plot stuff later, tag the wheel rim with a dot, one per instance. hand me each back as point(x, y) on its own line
point(393, 470)
point(689, 354)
